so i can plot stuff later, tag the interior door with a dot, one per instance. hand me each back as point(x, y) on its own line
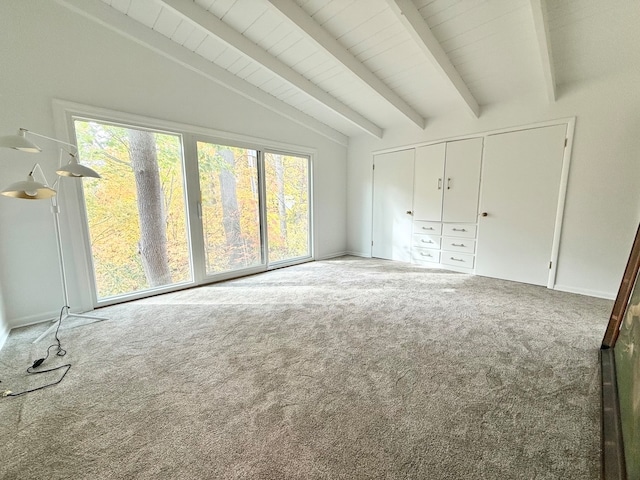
point(462, 180)
point(520, 188)
point(429, 177)
point(392, 205)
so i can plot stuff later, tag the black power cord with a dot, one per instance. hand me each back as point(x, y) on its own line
point(60, 352)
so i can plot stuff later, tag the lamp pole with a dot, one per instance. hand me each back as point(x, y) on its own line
point(55, 210)
point(33, 190)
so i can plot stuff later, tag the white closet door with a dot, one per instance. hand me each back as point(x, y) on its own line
point(462, 181)
point(428, 182)
point(520, 188)
point(392, 205)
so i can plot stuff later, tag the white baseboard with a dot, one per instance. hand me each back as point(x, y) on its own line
point(345, 253)
point(4, 334)
point(358, 254)
point(332, 255)
point(34, 319)
point(587, 292)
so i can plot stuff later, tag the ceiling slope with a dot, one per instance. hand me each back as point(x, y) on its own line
point(412, 20)
point(352, 67)
point(323, 39)
point(102, 14)
point(215, 27)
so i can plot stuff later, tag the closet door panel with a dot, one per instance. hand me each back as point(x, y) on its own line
point(462, 181)
point(392, 205)
point(428, 182)
point(520, 189)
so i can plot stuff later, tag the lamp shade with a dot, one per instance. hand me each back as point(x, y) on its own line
point(29, 190)
point(19, 142)
point(74, 169)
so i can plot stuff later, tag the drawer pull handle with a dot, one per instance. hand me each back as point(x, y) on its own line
point(426, 241)
point(448, 184)
point(427, 228)
point(457, 245)
point(439, 184)
point(459, 229)
point(425, 254)
point(457, 259)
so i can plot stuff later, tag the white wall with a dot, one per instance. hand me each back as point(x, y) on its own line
point(602, 208)
point(49, 52)
point(4, 323)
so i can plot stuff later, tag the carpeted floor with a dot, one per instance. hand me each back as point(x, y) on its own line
point(342, 369)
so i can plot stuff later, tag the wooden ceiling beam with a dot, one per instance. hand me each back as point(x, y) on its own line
point(103, 14)
point(308, 26)
point(211, 24)
point(413, 22)
point(540, 23)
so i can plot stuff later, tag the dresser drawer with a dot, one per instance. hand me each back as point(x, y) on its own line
point(466, 230)
point(425, 255)
point(459, 244)
point(457, 259)
point(426, 241)
point(429, 228)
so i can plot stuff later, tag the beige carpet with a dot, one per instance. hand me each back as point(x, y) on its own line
point(341, 369)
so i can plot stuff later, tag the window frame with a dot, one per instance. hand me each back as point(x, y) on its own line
point(74, 222)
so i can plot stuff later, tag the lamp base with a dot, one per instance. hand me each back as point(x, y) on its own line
point(64, 317)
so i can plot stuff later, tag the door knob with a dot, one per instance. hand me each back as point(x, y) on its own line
point(484, 214)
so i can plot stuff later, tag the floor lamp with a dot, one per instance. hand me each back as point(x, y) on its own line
point(32, 190)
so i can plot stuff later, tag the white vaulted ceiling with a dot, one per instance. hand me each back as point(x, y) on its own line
point(355, 66)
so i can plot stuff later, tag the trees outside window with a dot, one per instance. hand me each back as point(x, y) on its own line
point(287, 194)
point(138, 223)
point(230, 207)
point(136, 212)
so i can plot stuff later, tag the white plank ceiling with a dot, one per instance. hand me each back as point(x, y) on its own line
point(363, 66)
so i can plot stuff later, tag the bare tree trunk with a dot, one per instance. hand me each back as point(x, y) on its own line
point(230, 212)
point(282, 207)
point(151, 214)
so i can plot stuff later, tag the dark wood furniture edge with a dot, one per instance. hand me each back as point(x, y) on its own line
point(612, 451)
point(622, 299)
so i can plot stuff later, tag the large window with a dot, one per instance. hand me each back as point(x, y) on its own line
point(230, 200)
point(136, 212)
point(174, 209)
point(287, 193)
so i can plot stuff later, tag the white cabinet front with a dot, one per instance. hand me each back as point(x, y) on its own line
point(427, 228)
point(462, 181)
point(426, 241)
point(425, 255)
point(455, 244)
point(457, 259)
point(428, 182)
point(447, 181)
point(459, 230)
